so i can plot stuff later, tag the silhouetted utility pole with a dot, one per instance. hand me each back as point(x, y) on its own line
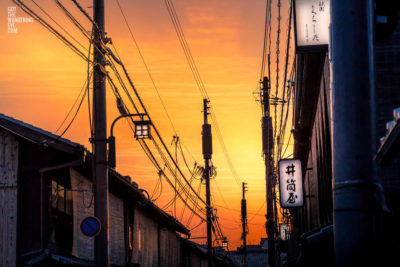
point(100, 176)
point(353, 133)
point(244, 224)
point(175, 141)
point(207, 152)
point(268, 149)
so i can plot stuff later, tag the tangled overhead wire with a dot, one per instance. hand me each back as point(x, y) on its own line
point(145, 199)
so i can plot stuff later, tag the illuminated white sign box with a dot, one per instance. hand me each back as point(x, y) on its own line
point(284, 231)
point(290, 183)
point(311, 25)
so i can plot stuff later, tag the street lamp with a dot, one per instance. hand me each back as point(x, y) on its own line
point(225, 243)
point(142, 131)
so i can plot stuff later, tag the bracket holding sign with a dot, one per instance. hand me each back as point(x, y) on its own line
point(90, 226)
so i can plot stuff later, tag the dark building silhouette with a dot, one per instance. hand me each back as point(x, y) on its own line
point(311, 242)
point(46, 192)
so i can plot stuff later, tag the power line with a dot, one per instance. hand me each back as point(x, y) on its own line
point(183, 188)
point(146, 67)
point(185, 47)
point(77, 110)
point(31, 13)
point(162, 173)
point(257, 212)
point(284, 80)
point(238, 211)
point(157, 132)
point(267, 38)
point(191, 215)
point(75, 102)
point(192, 65)
point(62, 28)
point(282, 129)
point(277, 63)
point(84, 12)
point(73, 19)
point(289, 99)
point(223, 199)
point(144, 146)
point(150, 76)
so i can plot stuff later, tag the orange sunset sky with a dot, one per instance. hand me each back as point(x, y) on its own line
point(40, 78)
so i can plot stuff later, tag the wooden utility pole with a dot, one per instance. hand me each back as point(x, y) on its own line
point(268, 149)
point(244, 224)
point(100, 176)
point(207, 152)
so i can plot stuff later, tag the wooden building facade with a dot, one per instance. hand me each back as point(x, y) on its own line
point(312, 135)
point(311, 241)
point(45, 193)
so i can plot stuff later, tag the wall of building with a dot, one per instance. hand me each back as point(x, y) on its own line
point(170, 248)
point(43, 202)
point(145, 240)
point(8, 198)
point(83, 206)
point(387, 78)
point(197, 261)
point(314, 148)
point(116, 230)
point(318, 205)
point(318, 210)
point(151, 246)
point(320, 154)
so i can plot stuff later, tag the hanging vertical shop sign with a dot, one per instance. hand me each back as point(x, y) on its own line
point(290, 183)
point(284, 231)
point(311, 24)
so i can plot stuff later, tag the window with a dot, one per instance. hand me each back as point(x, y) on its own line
point(140, 239)
point(129, 221)
point(130, 237)
point(61, 221)
point(61, 198)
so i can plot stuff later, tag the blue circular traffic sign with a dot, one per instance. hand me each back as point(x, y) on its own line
point(90, 226)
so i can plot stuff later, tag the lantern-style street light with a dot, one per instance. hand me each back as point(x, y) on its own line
point(142, 131)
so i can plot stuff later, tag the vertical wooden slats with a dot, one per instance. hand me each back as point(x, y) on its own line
point(8, 199)
point(116, 230)
point(83, 206)
point(145, 248)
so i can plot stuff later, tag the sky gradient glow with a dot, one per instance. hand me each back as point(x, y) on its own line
point(40, 78)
